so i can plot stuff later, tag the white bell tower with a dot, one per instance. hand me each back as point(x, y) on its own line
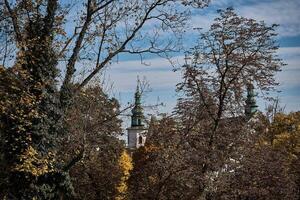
point(137, 132)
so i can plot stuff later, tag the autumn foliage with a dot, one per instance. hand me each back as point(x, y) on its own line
point(60, 129)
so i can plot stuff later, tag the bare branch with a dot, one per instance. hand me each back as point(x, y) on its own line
point(120, 49)
point(13, 16)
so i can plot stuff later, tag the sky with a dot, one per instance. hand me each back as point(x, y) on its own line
point(162, 79)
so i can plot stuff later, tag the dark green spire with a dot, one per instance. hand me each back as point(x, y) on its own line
point(251, 106)
point(137, 111)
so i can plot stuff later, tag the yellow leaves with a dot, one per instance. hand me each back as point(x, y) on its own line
point(125, 163)
point(286, 130)
point(17, 102)
point(284, 134)
point(281, 138)
point(32, 163)
point(290, 122)
point(122, 188)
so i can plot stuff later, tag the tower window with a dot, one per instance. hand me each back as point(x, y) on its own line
point(140, 140)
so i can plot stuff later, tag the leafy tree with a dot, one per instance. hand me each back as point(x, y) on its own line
point(269, 167)
point(161, 168)
point(233, 54)
point(210, 149)
point(27, 161)
point(34, 105)
point(94, 125)
point(261, 174)
point(98, 174)
point(187, 156)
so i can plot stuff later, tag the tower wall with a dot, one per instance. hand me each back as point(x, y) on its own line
point(137, 132)
point(136, 137)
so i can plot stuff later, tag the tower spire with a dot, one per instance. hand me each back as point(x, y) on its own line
point(251, 107)
point(137, 111)
point(138, 84)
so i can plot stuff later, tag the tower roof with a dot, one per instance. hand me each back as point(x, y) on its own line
point(137, 111)
point(251, 106)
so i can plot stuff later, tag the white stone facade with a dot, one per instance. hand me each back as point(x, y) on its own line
point(136, 137)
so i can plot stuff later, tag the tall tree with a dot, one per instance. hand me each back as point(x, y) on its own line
point(94, 124)
point(185, 156)
point(232, 56)
point(32, 103)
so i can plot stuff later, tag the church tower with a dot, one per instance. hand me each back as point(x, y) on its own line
point(137, 132)
point(251, 107)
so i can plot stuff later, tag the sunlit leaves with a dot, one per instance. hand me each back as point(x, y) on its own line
point(284, 134)
point(30, 162)
point(125, 163)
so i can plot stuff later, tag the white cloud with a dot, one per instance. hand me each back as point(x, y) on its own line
point(285, 13)
point(202, 21)
point(162, 78)
point(159, 73)
point(290, 103)
point(289, 79)
point(157, 63)
point(158, 80)
point(226, 3)
point(289, 51)
point(290, 75)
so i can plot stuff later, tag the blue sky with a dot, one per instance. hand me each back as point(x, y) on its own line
point(163, 80)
